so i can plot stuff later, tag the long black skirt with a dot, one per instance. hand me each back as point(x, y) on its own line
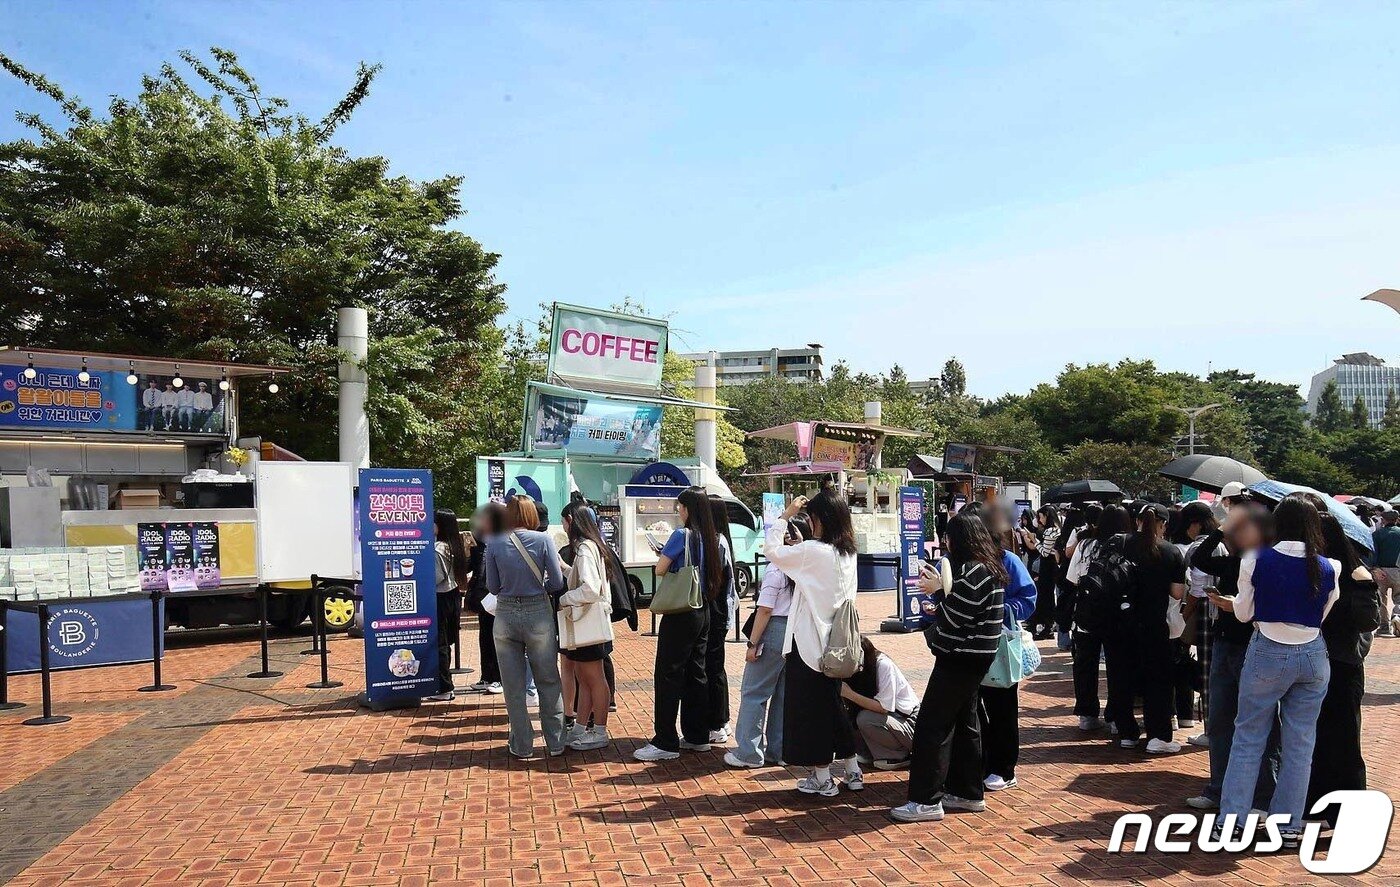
point(816, 730)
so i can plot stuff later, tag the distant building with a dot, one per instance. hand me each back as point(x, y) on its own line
point(931, 385)
point(742, 367)
point(1357, 374)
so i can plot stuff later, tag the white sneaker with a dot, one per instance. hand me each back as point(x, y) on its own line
point(694, 746)
point(1089, 725)
point(495, 688)
point(855, 781)
point(1202, 802)
point(591, 738)
point(1186, 723)
point(574, 731)
point(1159, 747)
point(720, 736)
point(1200, 740)
point(1127, 743)
point(480, 687)
point(732, 759)
point(650, 753)
point(809, 785)
point(912, 812)
point(995, 783)
point(953, 802)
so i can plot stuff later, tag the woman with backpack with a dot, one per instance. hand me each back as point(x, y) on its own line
point(1091, 622)
point(816, 731)
point(964, 626)
point(450, 573)
point(1287, 591)
point(1138, 645)
point(585, 628)
point(758, 731)
point(681, 687)
point(523, 571)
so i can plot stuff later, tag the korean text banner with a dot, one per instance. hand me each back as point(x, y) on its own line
point(911, 551)
point(593, 426)
point(400, 600)
point(58, 399)
point(601, 346)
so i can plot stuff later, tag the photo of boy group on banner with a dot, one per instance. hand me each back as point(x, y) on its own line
point(194, 407)
point(597, 427)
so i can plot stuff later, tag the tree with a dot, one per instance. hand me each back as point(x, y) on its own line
point(954, 381)
point(1330, 415)
point(206, 219)
point(1391, 419)
point(1273, 413)
point(1120, 404)
point(1132, 467)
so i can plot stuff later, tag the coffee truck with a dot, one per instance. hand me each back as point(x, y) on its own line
point(102, 453)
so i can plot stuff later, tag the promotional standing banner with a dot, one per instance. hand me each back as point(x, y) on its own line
point(911, 548)
point(207, 572)
point(589, 425)
point(179, 557)
point(150, 556)
point(588, 345)
point(400, 603)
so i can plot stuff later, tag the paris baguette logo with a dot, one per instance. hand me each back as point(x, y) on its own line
point(1363, 825)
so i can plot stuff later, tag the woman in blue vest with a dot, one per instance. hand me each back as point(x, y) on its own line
point(1286, 591)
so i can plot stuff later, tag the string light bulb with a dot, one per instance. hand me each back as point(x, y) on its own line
point(29, 371)
point(131, 378)
point(177, 381)
point(223, 381)
point(272, 386)
point(83, 375)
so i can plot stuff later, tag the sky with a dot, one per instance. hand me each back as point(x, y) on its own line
point(1019, 185)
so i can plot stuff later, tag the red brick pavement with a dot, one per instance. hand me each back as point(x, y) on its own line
point(238, 781)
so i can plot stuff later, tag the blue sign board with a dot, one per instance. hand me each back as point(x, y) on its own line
point(398, 569)
point(594, 426)
point(83, 633)
point(105, 401)
point(911, 550)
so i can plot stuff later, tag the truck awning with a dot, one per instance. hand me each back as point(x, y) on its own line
point(21, 355)
point(660, 399)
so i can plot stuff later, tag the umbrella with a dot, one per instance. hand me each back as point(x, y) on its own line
point(1210, 472)
point(1275, 490)
point(1083, 491)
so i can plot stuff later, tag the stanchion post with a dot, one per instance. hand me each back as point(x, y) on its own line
point(457, 667)
point(262, 625)
point(5, 703)
point(157, 629)
point(316, 615)
point(318, 625)
point(652, 632)
point(48, 717)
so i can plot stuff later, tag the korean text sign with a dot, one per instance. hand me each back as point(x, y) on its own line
point(602, 346)
point(60, 399)
point(595, 426)
point(400, 601)
point(911, 549)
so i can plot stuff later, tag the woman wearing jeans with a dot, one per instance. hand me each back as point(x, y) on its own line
point(1287, 592)
point(522, 570)
point(758, 733)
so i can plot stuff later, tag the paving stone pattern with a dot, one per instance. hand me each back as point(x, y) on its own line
point(231, 780)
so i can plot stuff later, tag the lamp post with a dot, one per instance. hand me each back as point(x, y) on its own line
point(1191, 414)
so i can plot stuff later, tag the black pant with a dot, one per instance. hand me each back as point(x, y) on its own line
point(1086, 650)
point(1337, 760)
point(816, 728)
point(680, 680)
point(1141, 661)
point(449, 624)
point(999, 716)
point(714, 663)
point(490, 668)
point(947, 754)
point(1042, 621)
point(1184, 668)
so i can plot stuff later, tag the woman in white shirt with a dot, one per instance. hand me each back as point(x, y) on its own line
point(816, 731)
point(587, 607)
point(885, 709)
point(758, 732)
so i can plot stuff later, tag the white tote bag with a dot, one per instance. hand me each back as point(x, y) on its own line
point(591, 623)
point(1176, 620)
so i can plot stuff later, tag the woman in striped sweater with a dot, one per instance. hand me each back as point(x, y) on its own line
point(963, 626)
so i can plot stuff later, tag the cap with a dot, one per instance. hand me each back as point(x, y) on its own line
point(1162, 512)
point(1233, 490)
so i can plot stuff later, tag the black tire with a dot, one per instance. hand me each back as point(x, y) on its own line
point(743, 581)
point(340, 610)
point(638, 598)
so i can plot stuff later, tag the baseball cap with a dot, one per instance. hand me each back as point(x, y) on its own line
point(1233, 490)
point(1161, 511)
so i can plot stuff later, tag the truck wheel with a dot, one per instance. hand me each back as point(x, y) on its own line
point(634, 585)
point(340, 611)
point(743, 581)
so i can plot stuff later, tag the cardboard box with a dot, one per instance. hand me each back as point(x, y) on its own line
point(138, 498)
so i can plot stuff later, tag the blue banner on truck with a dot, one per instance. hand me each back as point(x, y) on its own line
point(400, 600)
point(911, 550)
point(62, 399)
point(82, 634)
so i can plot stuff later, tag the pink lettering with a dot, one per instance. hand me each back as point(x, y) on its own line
point(593, 344)
point(564, 340)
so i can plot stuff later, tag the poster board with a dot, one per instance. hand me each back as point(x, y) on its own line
point(306, 520)
point(591, 346)
point(911, 551)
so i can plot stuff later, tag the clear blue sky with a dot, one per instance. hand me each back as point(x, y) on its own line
point(1019, 184)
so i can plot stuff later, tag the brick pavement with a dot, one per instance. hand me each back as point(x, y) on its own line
point(237, 781)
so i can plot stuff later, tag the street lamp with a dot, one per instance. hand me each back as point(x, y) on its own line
point(1191, 414)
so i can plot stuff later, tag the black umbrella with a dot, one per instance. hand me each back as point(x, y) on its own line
point(1083, 491)
point(1211, 473)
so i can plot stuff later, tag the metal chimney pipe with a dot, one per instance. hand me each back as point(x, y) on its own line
point(872, 412)
point(705, 436)
point(352, 335)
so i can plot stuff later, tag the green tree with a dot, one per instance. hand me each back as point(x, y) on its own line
point(1391, 419)
point(1330, 415)
point(204, 218)
point(1274, 415)
point(1133, 467)
point(1313, 469)
point(954, 380)
point(1124, 404)
point(1360, 416)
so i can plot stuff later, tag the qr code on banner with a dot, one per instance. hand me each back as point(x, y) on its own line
point(400, 598)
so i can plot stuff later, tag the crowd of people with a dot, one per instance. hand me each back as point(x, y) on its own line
point(1256, 617)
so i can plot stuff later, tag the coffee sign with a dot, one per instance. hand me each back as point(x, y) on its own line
point(589, 345)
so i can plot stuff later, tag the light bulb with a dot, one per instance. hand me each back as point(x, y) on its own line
point(272, 388)
point(178, 382)
point(223, 384)
point(131, 378)
point(84, 376)
point(29, 371)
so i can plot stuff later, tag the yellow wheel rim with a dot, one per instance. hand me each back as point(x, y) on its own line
point(339, 612)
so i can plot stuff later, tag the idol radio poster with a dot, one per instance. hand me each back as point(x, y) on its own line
point(400, 601)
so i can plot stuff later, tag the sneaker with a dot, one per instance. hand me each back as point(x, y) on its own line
point(573, 731)
point(1292, 839)
point(650, 753)
point(1089, 725)
point(519, 757)
point(1200, 740)
point(1112, 729)
point(532, 698)
point(589, 739)
point(720, 736)
point(1174, 722)
point(556, 752)
point(995, 783)
point(770, 762)
point(912, 812)
point(441, 697)
point(694, 746)
point(495, 688)
point(809, 785)
point(732, 759)
point(953, 802)
point(1162, 747)
point(1202, 802)
point(893, 764)
point(1127, 743)
point(480, 687)
point(1395, 626)
point(1186, 723)
point(855, 781)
